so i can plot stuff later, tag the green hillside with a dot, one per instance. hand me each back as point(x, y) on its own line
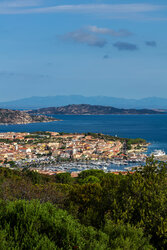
point(96, 210)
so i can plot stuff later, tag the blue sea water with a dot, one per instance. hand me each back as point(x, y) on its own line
point(153, 128)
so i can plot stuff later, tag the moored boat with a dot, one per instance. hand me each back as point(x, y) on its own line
point(158, 153)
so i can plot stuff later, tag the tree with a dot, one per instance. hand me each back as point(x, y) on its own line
point(64, 178)
point(32, 225)
point(122, 236)
point(141, 200)
point(91, 179)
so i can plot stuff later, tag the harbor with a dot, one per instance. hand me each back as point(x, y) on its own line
point(53, 152)
point(106, 166)
point(49, 166)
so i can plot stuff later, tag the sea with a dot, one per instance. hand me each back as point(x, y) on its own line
point(153, 128)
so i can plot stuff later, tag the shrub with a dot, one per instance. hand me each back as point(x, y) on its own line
point(31, 225)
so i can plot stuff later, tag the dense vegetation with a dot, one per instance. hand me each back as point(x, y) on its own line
point(31, 225)
point(96, 210)
point(128, 141)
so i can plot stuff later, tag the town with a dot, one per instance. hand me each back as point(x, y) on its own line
point(40, 149)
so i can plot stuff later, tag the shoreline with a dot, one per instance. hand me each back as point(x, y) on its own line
point(72, 152)
point(103, 114)
point(1, 124)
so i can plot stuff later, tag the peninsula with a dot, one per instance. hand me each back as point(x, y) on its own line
point(8, 116)
point(40, 149)
point(86, 109)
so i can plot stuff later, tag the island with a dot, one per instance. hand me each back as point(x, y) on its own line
point(86, 109)
point(8, 116)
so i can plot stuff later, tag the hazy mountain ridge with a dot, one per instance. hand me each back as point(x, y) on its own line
point(87, 109)
point(61, 100)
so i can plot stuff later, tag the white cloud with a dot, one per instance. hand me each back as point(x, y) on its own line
point(101, 8)
point(81, 36)
point(120, 33)
point(90, 35)
point(9, 5)
point(28, 7)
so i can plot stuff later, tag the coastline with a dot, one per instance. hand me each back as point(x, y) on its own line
point(69, 151)
point(29, 122)
point(104, 114)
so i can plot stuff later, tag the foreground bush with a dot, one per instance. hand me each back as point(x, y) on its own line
point(126, 237)
point(138, 199)
point(31, 225)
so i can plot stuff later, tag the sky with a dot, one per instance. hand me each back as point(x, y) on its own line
point(68, 47)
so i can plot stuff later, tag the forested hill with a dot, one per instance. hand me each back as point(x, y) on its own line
point(86, 109)
point(8, 116)
point(95, 210)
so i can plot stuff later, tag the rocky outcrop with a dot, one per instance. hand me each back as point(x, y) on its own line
point(86, 109)
point(8, 116)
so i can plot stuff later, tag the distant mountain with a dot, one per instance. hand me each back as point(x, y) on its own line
point(87, 109)
point(20, 117)
point(57, 101)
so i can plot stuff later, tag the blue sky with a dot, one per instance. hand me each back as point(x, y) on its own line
point(96, 47)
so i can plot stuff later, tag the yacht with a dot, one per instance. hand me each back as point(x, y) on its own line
point(157, 153)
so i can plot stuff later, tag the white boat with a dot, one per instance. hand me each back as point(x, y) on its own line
point(158, 153)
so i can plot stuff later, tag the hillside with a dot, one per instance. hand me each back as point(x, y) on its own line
point(95, 210)
point(86, 109)
point(20, 117)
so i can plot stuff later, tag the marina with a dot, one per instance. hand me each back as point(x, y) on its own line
point(109, 166)
point(48, 165)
